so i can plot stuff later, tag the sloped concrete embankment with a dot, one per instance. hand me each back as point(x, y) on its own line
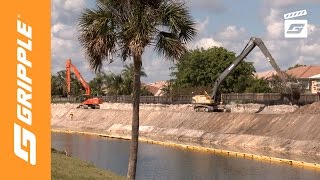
point(293, 136)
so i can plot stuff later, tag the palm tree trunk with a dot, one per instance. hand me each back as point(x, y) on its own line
point(135, 119)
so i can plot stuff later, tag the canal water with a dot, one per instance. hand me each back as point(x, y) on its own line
point(160, 162)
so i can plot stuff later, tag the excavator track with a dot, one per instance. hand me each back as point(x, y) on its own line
point(211, 108)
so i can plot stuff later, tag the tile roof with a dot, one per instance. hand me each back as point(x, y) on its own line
point(155, 88)
point(305, 71)
point(266, 74)
point(298, 72)
point(152, 89)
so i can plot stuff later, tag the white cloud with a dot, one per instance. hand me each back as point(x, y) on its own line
point(286, 3)
point(205, 43)
point(232, 37)
point(211, 6)
point(286, 52)
point(64, 42)
point(311, 49)
point(64, 31)
point(232, 33)
point(274, 24)
point(313, 33)
point(61, 46)
point(156, 68)
point(73, 5)
point(202, 25)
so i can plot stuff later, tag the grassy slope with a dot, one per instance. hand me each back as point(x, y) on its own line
point(68, 168)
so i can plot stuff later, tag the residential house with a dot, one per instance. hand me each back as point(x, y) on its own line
point(309, 76)
point(156, 87)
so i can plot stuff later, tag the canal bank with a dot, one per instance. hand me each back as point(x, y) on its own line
point(66, 167)
point(293, 136)
point(163, 162)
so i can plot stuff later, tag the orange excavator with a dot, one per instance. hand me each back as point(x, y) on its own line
point(92, 103)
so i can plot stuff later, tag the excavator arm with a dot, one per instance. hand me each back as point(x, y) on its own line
point(209, 103)
point(69, 67)
point(250, 46)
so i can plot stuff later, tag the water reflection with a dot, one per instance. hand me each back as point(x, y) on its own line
point(159, 162)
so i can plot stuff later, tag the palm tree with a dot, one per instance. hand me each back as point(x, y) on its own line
point(114, 84)
point(128, 71)
point(97, 84)
point(126, 28)
point(61, 82)
point(59, 85)
point(127, 74)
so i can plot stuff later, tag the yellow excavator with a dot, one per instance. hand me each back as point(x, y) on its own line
point(210, 103)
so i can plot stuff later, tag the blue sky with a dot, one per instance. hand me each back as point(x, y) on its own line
point(226, 23)
point(250, 13)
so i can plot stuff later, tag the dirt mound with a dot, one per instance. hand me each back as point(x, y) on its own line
point(151, 107)
point(313, 108)
point(262, 109)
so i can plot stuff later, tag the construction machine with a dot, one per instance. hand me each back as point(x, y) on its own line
point(207, 103)
point(89, 102)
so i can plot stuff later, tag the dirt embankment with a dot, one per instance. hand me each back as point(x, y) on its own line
point(313, 108)
point(292, 132)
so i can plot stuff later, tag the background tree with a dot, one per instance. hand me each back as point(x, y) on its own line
point(122, 84)
point(127, 75)
point(296, 65)
point(127, 28)
point(55, 89)
point(258, 85)
point(101, 84)
point(200, 68)
point(59, 85)
point(145, 92)
point(97, 84)
point(113, 84)
point(277, 85)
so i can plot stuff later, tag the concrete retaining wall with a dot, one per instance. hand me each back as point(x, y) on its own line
point(292, 136)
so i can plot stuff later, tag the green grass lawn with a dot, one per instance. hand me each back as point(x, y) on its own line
point(69, 168)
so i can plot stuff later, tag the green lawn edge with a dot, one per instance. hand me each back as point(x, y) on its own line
point(68, 168)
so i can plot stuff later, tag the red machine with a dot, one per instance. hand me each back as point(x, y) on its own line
point(92, 103)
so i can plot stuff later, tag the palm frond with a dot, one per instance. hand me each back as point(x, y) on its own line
point(169, 45)
point(175, 15)
point(127, 27)
point(98, 36)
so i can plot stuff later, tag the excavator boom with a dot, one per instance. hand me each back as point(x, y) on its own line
point(206, 102)
point(252, 44)
point(93, 103)
point(69, 67)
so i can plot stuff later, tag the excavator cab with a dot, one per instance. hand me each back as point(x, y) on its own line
point(202, 99)
point(205, 103)
point(93, 103)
